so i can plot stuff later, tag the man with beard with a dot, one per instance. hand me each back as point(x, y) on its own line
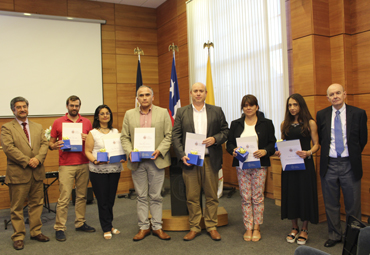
point(73, 169)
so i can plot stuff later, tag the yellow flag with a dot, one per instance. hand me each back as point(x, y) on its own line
point(210, 99)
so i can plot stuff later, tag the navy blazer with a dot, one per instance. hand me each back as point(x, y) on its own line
point(266, 137)
point(356, 120)
point(217, 127)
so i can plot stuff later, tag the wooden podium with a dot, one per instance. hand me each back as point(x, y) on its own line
point(181, 223)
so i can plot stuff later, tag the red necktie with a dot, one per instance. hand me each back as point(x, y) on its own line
point(25, 130)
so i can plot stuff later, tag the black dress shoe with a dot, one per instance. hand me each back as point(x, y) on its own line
point(331, 243)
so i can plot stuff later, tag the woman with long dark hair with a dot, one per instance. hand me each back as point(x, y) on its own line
point(104, 177)
point(252, 181)
point(299, 187)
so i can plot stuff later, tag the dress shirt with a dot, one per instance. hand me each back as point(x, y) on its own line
point(27, 127)
point(200, 121)
point(146, 118)
point(342, 115)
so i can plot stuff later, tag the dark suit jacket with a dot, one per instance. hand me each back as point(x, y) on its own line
point(19, 152)
point(266, 137)
point(216, 127)
point(356, 120)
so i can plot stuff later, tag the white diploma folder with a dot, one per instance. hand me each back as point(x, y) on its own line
point(145, 141)
point(73, 131)
point(193, 142)
point(289, 158)
point(112, 143)
point(251, 145)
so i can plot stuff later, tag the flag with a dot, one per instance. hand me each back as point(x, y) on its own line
point(174, 103)
point(139, 81)
point(210, 99)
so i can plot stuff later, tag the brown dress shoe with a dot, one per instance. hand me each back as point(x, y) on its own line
point(18, 245)
point(142, 234)
point(41, 238)
point(215, 235)
point(191, 235)
point(161, 234)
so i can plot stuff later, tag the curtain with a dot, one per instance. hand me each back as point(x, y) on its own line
point(249, 54)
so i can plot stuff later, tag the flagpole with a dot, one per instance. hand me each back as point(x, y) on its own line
point(139, 79)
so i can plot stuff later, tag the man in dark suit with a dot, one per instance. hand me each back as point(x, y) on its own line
point(209, 120)
point(342, 135)
point(25, 147)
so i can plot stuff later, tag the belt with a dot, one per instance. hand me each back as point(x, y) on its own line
point(207, 155)
point(339, 158)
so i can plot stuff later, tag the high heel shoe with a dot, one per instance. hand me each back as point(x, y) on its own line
point(292, 236)
point(302, 240)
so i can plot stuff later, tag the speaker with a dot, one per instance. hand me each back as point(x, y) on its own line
point(178, 190)
point(89, 196)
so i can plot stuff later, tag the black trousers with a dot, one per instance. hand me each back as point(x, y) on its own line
point(105, 188)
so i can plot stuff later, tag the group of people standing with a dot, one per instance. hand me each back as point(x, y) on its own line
point(342, 137)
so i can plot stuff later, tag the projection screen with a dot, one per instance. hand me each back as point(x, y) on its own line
point(47, 60)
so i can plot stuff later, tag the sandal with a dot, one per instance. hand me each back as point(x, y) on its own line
point(247, 237)
point(302, 240)
point(115, 231)
point(107, 235)
point(292, 236)
point(257, 237)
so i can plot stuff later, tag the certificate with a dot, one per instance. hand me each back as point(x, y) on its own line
point(249, 143)
point(145, 141)
point(289, 158)
point(73, 131)
point(112, 143)
point(193, 142)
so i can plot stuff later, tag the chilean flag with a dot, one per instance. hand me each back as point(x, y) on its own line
point(174, 92)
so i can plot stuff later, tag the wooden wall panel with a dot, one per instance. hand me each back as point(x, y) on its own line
point(133, 16)
point(182, 28)
point(184, 90)
point(7, 5)
point(363, 101)
point(136, 34)
point(165, 66)
point(303, 66)
point(321, 17)
point(167, 34)
point(109, 68)
point(182, 64)
point(91, 10)
point(301, 18)
point(108, 36)
point(361, 63)
point(125, 98)
point(48, 7)
point(181, 7)
point(322, 64)
point(110, 96)
point(340, 17)
point(164, 94)
point(360, 10)
point(166, 11)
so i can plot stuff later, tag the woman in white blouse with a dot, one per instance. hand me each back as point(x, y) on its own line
point(104, 177)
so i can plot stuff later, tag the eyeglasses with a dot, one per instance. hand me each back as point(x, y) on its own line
point(102, 114)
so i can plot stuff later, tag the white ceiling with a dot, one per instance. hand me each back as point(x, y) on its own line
point(142, 3)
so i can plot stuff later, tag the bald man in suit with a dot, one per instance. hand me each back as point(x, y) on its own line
point(25, 147)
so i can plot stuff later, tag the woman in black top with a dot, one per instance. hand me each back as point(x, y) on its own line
point(252, 181)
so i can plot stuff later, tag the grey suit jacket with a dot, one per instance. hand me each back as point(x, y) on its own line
point(217, 127)
point(161, 121)
point(356, 120)
point(19, 152)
